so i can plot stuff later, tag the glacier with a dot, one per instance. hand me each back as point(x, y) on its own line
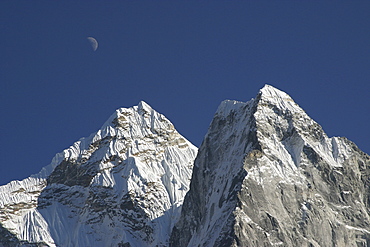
point(121, 186)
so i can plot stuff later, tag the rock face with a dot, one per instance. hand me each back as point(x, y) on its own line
point(122, 186)
point(267, 175)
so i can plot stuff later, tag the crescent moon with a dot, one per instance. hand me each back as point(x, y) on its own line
point(93, 43)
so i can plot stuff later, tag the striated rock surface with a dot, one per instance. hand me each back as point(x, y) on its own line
point(122, 186)
point(266, 174)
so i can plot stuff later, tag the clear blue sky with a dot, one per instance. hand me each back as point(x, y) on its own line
point(181, 57)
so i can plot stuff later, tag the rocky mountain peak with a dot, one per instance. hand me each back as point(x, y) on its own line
point(144, 106)
point(275, 104)
point(266, 174)
point(121, 186)
point(274, 96)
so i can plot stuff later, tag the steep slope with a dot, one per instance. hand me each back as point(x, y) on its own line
point(122, 186)
point(267, 175)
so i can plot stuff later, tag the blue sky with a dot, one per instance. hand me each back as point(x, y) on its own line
point(181, 57)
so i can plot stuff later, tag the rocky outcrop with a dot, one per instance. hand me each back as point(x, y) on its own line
point(267, 175)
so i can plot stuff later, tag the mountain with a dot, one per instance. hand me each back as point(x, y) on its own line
point(121, 186)
point(266, 174)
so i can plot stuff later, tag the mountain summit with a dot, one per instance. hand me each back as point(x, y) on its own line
point(266, 174)
point(122, 186)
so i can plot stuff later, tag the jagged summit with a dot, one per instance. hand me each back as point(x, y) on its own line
point(268, 95)
point(266, 174)
point(122, 185)
point(273, 93)
point(279, 99)
point(142, 109)
point(143, 105)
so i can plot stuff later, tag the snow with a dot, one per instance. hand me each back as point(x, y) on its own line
point(137, 151)
point(277, 113)
point(357, 229)
point(141, 167)
point(227, 106)
point(286, 138)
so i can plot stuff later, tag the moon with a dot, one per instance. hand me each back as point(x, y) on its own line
point(93, 43)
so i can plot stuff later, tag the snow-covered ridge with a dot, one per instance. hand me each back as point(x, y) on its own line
point(278, 98)
point(136, 166)
point(227, 106)
point(284, 130)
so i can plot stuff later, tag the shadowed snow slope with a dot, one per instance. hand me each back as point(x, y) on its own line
point(122, 186)
point(267, 175)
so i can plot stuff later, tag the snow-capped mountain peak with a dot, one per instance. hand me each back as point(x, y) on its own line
point(123, 184)
point(266, 174)
point(277, 97)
